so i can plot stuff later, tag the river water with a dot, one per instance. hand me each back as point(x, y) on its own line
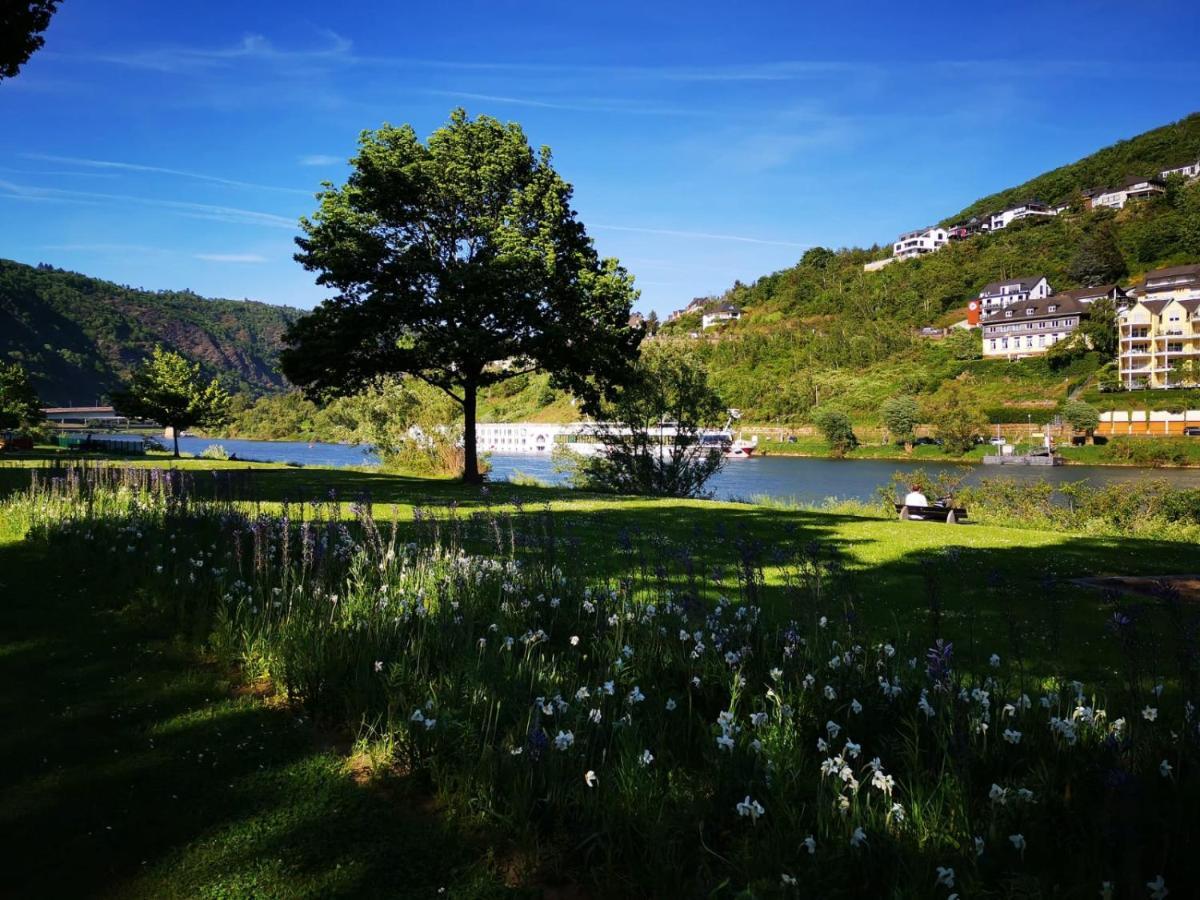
point(795, 479)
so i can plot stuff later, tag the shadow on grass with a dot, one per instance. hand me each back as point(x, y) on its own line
point(128, 768)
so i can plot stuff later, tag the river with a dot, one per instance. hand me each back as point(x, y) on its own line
point(801, 480)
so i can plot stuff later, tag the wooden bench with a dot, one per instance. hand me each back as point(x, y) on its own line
point(951, 515)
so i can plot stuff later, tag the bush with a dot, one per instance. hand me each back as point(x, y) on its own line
point(214, 451)
point(835, 425)
point(900, 415)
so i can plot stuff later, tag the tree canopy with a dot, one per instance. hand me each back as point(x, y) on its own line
point(169, 390)
point(19, 406)
point(461, 262)
point(21, 25)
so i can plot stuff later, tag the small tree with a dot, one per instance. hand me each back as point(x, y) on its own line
point(1099, 327)
point(838, 430)
point(956, 420)
point(670, 393)
point(1081, 417)
point(167, 389)
point(19, 405)
point(900, 416)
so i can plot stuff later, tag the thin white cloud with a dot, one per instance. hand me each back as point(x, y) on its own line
point(160, 170)
point(230, 257)
point(320, 159)
point(600, 106)
point(230, 214)
point(702, 235)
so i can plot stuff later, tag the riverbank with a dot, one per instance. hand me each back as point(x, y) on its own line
point(1136, 452)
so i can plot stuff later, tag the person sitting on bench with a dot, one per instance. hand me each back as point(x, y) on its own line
point(915, 497)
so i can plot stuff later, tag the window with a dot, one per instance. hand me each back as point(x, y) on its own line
point(1053, 307)
point(1029, 310)
point(1008, 314)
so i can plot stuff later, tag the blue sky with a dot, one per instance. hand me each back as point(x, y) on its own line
point(173, 145)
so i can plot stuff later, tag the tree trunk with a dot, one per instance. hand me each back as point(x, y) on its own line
point(470, 456)
point(175, 438)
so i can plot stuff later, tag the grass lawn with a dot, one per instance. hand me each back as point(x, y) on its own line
point(140, 768)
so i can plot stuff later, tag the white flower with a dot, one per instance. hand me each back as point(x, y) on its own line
point(564, 739)
point(858, 838)
point(994, 661)
point(670, 704)
point(379, 665)
point(417, 716)
point(635, 696)
point(1018, 841)
point(1164, 769)
point(978, 847)
point(758, 719)
point(607, 687)
point(590, 778)
point(897, 812)
point(945, 875)
point(852, 749)
point(751, 808)
point(830, 693)
point(696, 681)
point(594, 716)
point(1150, 713)
point(998, 794)
point(810, 844)
point(883, 782)
point(582, 694)
point(646, 758)
point(429, 723)
point(822, 621)
point(833, 728)
point(822, 746)
point(855, 707)
point(574, 640)
point(776, 674)
point(1158, 888)
point(725, 742)
point(1013, 737)
point(787, 880)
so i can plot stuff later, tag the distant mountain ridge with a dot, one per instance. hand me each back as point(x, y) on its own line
point(79, 336)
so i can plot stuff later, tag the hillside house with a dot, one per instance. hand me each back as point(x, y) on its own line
point(973, 226)
point(912, 244)
point(1000, 294)
point(1132, 188)
point(1118, 295)
point(1031, 327)
point(1012, 214)
point(1172, 283)
point(1188, 171)
point(1159, 342)
point(726, 312)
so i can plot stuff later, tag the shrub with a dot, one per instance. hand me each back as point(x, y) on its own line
point(900, 416)
point(838, 430)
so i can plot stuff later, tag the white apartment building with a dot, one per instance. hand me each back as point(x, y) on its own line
point(1024, 211)
point(1032, 327)
point(724, 313)
point(1000, 294)
point(1189, 171)
point(1133, 188)
point(917, 243)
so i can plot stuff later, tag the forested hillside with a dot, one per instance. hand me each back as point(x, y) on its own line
point(826, 332)
point(78, 336)
point(1145, 155)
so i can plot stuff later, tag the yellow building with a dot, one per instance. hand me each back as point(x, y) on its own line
point(1160, 343)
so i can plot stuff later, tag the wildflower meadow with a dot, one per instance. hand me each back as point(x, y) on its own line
point(671, 728)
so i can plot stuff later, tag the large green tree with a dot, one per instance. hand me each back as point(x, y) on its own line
point(168, 389)
point(19, 406)
point(21, 25)
point(461, 262)
point(1098, 259)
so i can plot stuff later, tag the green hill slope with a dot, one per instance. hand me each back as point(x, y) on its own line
point(1147, 154)
point(79, 336)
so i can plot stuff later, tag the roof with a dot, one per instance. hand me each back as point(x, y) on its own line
point(1155, 306)
point(1091, 293)
point(1183, 165)
point(1172, 271)
point(1027, 284)
point(1138, 179)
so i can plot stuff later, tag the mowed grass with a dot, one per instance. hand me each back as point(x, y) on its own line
point(136, 769)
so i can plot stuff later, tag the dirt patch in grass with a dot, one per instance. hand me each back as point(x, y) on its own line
point(1188, 586)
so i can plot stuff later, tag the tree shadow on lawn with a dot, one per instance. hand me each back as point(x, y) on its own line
point(127, 768)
